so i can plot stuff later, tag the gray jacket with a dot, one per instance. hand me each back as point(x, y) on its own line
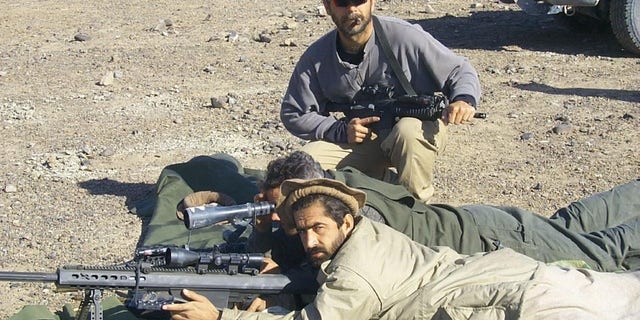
point(321, 76)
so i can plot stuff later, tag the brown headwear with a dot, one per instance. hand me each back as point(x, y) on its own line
point(293, 190)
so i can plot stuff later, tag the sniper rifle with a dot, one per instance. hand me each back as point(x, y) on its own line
point(157, 275)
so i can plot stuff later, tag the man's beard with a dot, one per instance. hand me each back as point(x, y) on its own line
point(347, 27)
point(325, 253)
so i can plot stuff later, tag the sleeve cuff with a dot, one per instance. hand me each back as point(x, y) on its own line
point(466, 98)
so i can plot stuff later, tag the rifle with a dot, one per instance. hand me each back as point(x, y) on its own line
point(423, 107)
point(157, 275)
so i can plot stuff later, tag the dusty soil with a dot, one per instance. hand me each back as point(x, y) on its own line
point(96, 98)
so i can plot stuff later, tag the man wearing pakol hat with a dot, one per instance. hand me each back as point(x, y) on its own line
point(370, 271)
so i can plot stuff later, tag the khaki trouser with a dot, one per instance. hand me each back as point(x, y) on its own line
point(411, 146)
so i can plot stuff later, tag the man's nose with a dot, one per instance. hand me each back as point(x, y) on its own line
point(309, 241)
point(275, 216)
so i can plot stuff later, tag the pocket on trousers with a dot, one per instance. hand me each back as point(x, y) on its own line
point(498, 229)
point(477, 313)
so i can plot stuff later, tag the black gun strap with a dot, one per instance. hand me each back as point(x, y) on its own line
point(395, 65)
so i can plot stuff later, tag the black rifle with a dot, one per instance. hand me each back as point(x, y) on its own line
point(423, 107)
point(157, 275)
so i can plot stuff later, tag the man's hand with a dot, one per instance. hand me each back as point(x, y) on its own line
point(269, 266)
point(201, 198)
point(257, 305)
point(458, 112)
point(357, 129)
point(198, 308)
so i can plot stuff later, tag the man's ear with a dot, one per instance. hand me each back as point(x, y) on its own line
point(348, 223)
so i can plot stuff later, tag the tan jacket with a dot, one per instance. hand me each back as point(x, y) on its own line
point(380, 273)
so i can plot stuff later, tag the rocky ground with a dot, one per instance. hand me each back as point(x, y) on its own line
point(97, 97)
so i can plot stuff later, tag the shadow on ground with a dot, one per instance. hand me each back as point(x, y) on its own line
point(133, 192)
point(504, 30)
point(621, 95)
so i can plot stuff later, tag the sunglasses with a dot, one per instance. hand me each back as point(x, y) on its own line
point(348, 3)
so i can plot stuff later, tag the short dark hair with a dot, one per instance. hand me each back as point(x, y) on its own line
point(334, 207)
point(298, 164)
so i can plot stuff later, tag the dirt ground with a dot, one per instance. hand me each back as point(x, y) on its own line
point(97, 97)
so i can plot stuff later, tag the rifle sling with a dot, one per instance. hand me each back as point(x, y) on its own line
point(393, 61)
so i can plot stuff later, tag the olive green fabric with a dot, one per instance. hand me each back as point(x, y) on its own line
point(33, 312)
point(431, 225)
point(113, 309)
point(601, 231)
point(219, 173)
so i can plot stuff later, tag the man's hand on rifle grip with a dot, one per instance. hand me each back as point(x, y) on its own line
point(357, 129)
point(198, 307)
point(458, 112)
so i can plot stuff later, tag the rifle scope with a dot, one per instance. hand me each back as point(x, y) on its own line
point(179, 258)
point(203, 216)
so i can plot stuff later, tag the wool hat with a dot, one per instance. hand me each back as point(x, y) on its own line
point(293, 190)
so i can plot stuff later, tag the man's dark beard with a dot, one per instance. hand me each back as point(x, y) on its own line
point(348, 20)
point(330, 252)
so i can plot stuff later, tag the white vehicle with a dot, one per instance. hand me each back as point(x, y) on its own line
point(623, 16)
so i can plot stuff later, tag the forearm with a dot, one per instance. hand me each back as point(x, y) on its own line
point(305, 125)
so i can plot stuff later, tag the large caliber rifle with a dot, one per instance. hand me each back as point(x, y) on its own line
point(156, 275)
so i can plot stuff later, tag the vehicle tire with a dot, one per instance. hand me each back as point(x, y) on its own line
point(625, 23)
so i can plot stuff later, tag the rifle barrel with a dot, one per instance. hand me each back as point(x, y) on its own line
point(28, 276)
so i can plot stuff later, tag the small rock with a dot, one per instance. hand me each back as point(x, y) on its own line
point(428, 9)
point(289, 42)
point(232, 36)
point(85, 149)
point(321, 11)
point(477, 5)
point(209, 69)
point(107, 80)
point(290, 26)
point(108, 152)
point(561, 128)
point(526, 136)
point(10, 188)
point(216, 102)
point(537, 186)
point(118, 74)
point(628, 116)
point(81, 37)
point(264, 38)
